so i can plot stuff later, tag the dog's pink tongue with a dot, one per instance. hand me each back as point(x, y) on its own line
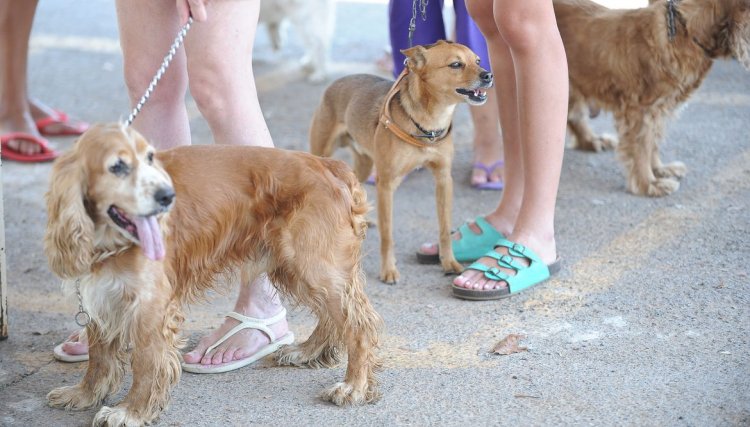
point(149, 234)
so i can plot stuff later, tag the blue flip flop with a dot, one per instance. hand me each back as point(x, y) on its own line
point(525, 276)
point(471, 246)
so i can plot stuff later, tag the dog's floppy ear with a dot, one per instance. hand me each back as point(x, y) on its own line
point(69, 239)
point(414, 57)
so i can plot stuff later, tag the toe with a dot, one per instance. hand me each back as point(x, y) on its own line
point(218, 356)
point(75, 348)
point(460, 281)
point(197, 354)
point(429, 248)
point(229, 355)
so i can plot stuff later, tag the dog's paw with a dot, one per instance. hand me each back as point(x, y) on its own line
point(389, 276)
point(117, 416)
point(658, 188)
point(596, 144)
point(451, 266)
point(671, 170)
point(606, 142)
point(345, 394)
point(602, 143)
point(298, 355)
point(73, 397)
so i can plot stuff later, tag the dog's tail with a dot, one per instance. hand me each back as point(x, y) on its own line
point(359, 205)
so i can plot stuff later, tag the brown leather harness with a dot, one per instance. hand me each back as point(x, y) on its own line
point(420, 141)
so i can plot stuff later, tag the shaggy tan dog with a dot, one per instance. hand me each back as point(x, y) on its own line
point(641, 65)
point(142, 233)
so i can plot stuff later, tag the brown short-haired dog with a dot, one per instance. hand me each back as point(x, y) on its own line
point(400, 126)
point(641, 65)
point(142, 233)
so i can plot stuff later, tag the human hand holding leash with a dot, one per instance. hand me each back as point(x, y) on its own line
point(194, 8)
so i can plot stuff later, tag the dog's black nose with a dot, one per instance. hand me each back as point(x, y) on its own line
point(486, 76)
point(164, 196)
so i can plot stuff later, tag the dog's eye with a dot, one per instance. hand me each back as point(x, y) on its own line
point(478, 61)
point(120, 168)
point(456, 65)
point(150, 157)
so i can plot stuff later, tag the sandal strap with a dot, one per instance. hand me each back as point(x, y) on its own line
point(57, 117)
point(526, 275)
point(471, 241)
point(505, 261)
point(250, 323)
point(518, 250)
point(488, 169)
point(492, 273)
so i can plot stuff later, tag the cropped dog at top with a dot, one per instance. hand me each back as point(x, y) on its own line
point(144, 233)
point(642, 65)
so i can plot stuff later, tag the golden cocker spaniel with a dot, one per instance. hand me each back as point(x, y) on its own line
point(142, 233)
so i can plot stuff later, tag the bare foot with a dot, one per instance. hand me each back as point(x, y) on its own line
point(76, 343)
point(487, 175)
point(21, 122)
point(52, 121)
point(488, 160)
point(242, 344)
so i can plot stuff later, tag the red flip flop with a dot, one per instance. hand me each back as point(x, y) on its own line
point(68, 127)
point(47, 154)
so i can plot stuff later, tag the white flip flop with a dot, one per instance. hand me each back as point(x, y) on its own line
point(245, 323)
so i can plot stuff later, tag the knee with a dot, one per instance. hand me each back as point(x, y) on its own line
point(519, 33)
point(171, 87)
point(211, 90)
point(481, 12)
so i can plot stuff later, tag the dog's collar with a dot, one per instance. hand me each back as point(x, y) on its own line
point(673, 17)
point(429, 134)
point(427, 139)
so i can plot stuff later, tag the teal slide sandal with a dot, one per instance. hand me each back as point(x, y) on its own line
point(525, 276)
point(471, 246)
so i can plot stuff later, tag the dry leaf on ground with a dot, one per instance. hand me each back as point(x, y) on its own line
point(509, 345)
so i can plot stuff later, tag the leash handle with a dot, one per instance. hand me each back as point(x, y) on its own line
point(159, 73)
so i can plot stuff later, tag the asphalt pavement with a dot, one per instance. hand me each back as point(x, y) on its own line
point(647, 324)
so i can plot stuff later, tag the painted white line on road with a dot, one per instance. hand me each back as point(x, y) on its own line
point(83, 44)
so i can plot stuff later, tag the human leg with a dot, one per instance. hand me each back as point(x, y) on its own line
point(147, 29)
point(526, 33)
point(488, 155)
point(16, 19)
point(501, 220)
point(221, 74)
point(488, 166)
point(222, 83)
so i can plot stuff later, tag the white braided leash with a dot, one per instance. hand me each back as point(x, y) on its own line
point(164, 64)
